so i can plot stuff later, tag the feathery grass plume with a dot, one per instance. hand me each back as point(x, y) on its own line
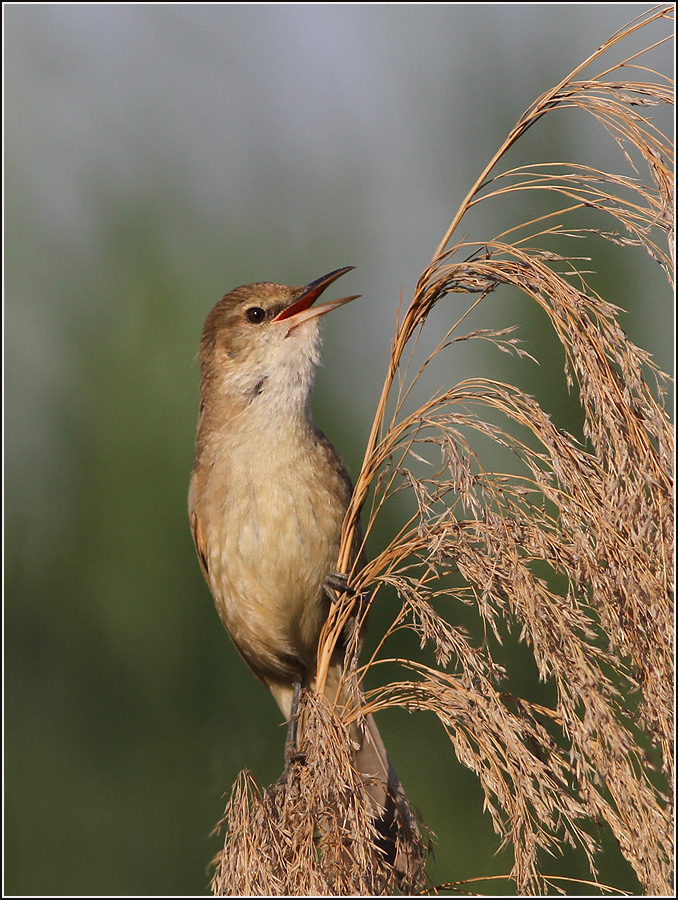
point(573, 549)
point(311, 834)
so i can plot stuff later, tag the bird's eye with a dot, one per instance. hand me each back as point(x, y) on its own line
point(255, 315)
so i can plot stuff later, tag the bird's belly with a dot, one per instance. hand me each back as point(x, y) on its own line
point(279, 540)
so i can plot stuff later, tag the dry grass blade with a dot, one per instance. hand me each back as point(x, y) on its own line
point(572, 548)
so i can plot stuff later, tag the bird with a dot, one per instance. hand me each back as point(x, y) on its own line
point(267, 500)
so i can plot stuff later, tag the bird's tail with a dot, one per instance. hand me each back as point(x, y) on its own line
point(399, 837)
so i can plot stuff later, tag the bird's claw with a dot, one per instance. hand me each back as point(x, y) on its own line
point(337, 583)
point(291, 760)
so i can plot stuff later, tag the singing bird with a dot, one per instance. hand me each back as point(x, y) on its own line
point(267, 500)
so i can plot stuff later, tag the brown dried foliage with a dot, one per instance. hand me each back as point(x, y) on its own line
point(311, 835)
point(575, 552)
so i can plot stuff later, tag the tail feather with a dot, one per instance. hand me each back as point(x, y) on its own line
point(399, 837)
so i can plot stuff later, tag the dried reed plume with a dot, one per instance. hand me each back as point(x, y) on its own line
point(574, 552)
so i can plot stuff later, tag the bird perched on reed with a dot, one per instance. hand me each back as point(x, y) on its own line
point(267, 500)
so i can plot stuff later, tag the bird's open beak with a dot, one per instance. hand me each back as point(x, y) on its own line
point(302, 309)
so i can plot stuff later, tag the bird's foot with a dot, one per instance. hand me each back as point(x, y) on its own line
point(294, 759)
point(337, 583)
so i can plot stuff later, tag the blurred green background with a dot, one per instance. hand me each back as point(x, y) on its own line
point(156, 156)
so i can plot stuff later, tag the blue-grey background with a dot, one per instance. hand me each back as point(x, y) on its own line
point(156, 156)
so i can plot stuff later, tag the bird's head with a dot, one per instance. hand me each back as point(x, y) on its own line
point(264, 338)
